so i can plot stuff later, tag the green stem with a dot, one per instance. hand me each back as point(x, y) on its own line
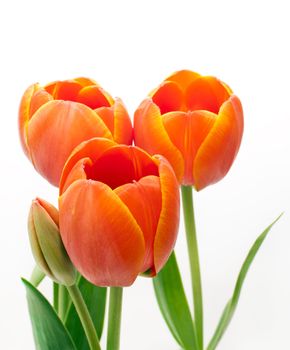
point(85, 317)
point(192, 247)
point(114, 322)
point(55, 296)
point(63, 300)
point(37, 276)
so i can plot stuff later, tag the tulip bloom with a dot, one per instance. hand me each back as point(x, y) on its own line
point(119, 211)
point(196, 123)
point(54, 119)
point(46, 244)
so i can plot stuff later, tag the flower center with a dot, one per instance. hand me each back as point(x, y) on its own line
point(203, 93)
point(92, 96)
point(120, 165)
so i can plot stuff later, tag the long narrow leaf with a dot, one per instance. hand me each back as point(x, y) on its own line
point(173, 304)
point(48, 330)
point(232, 303)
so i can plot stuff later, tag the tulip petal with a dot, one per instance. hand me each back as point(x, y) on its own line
point(193, 128)
point(100, 234)
point(78, 172)
point(24, 116)
point(123, 131)
point(219, 149)
point(206, 93)
point(91, 149)
point(50, 88)
point(39, 98)
point(85, 81)
point(34, 97)
point(94, 97)
point(52, 247)
point(118, 121)
point(150, 134)
point(226, 86)
point(183, 78)
point(47, 135)
point(35, 246)
point(143, 198)
point(67, 90)
point(50, 209)
point(107, 116)
point(167, 228)
point(168, 97)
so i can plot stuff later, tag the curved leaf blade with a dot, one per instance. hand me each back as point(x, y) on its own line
point(173, 304)
point(48, 330)
point(232, 303)
point(95, 299)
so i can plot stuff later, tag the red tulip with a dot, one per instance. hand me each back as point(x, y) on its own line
point(119, 211)
point(55, 118)
point(196, 123)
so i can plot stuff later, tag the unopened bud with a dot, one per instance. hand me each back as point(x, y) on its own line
point(46, 244)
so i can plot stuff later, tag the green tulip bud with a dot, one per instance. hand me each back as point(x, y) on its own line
point(46, 244)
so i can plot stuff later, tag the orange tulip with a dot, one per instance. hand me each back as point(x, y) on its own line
point(55, 118)
point(196, 123)
point(119, 211)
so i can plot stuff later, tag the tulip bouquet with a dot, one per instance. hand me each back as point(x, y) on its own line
point(118, 206)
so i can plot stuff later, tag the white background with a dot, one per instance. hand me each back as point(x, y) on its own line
point(129, 47)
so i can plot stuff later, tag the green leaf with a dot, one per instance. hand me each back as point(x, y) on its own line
point(173, 304)
point(48, 330)
point(95, 299)
point(232, 303)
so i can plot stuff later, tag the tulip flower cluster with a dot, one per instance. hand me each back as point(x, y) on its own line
point(119, 204)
